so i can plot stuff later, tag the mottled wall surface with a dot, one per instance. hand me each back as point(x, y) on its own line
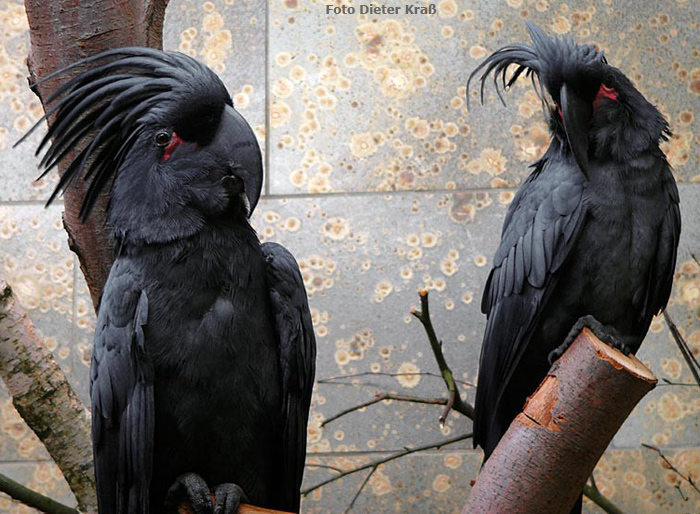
point(381, 183)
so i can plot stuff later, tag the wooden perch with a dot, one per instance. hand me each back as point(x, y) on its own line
point(551, 448)
point(244, 508)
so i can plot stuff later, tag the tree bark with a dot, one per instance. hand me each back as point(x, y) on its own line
point(551, 448)
point(62, 32)
point(35, 382)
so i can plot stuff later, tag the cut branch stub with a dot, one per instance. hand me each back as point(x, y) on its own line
point(551, 448)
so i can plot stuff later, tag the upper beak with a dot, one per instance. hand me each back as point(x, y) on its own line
point(576, 114)
point(240, 145)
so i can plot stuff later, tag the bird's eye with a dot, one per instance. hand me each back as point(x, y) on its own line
point(162, 138)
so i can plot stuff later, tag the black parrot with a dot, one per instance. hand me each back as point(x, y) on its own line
point(204, 353)
point(591, 236)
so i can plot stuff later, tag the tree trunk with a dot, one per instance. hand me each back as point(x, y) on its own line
point(36, 382)
point(551, 448)
point(62, 32)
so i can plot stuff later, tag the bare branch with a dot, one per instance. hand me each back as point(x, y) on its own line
point(593, 493)
point(380, 397)
point(669, 465)
point(695, 258)
point(668, 382)
point(684, 497)
point(683, 347)
point(32, 498)
point(337, 378)
point(324, 466)
point(359, 491)
point(394, 456)
point(436, 345)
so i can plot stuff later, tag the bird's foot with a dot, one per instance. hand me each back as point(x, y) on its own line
point(227, 498)
point(194, 489)
point(605, 333)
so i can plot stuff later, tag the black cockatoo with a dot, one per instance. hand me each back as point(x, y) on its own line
point(204, 353)
point(590, 238)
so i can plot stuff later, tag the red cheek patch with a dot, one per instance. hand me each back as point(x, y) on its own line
point(175, 141)
point(604, 92)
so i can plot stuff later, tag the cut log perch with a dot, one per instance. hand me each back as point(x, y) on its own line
point(244, 508)
point(544, 459)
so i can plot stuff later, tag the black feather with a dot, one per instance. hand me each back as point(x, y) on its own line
point(99, 111)
point(603, 244)
point(548, 61)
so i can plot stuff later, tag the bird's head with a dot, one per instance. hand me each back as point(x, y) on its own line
point(162, 127)
point(597, 110)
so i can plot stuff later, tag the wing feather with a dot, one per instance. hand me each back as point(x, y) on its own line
point(297, 360)
point(664, 262)
point(121, 388)
point(539, 231)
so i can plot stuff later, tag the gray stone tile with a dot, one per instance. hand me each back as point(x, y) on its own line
point(377, 102)
point(36, 262)
point(362, 270)
point(637, 481)
point(84, 330)
point(435, 481)
point(364, 258)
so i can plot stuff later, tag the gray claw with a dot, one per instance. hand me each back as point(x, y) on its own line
point(193, 488)
point(228, 498)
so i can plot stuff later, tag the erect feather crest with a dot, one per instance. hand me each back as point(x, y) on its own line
point(102, 110)
point(548, 62)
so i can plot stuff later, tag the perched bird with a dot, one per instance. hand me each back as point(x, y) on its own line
point(591, 236)
point(204, 352)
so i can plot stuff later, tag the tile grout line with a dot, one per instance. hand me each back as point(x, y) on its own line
point(399, 192)
point(359, 453)
point(28, 203)
point(405, 192)
point(385, 452)
point(29, 462)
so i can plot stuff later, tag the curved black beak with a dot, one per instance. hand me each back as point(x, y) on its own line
point(240, 145)
point(576, 115)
